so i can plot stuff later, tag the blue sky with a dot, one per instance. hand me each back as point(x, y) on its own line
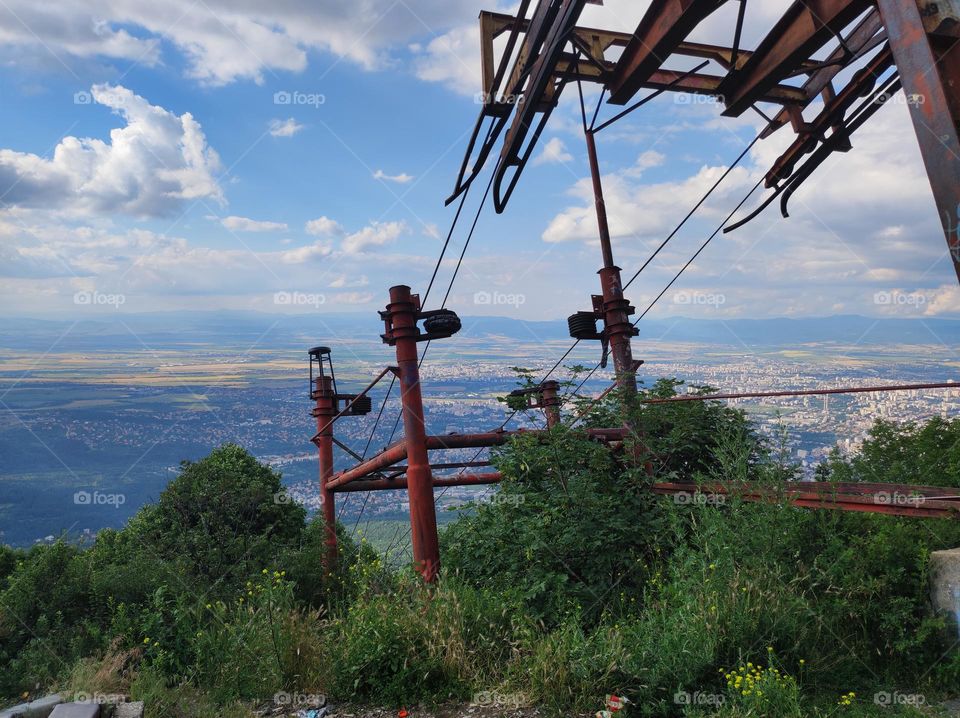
point(149, 161)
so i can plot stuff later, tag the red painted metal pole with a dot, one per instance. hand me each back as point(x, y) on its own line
point(550, 402)
point(928, 59)
point(492, 477)
point(403, 309)
point(326, 408)
point(615, 307)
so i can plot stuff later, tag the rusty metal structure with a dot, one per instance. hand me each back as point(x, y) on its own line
point(826, 67)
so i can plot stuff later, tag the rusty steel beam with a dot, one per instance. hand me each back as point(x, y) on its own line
point(928, 57)
point(353, 401)
point(540, 95)
point(492, 477)
point(696, 83)
point(893, 499)
point(805, 27)
point(397, 452)
point(832, 115)
point(868, 33)
point(665, 24)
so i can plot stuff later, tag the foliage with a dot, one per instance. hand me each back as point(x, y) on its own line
point(221, 519)
point(573, 581)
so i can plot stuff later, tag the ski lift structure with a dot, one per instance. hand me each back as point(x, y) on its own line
point(822, 71)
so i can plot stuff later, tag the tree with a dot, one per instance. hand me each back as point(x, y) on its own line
point(222, 519)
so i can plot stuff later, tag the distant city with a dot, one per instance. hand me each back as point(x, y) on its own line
point(88, 438)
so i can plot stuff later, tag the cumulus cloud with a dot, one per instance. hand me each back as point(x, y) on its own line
point(308, 253)
point(376, 234)
point(452, 59)
point(401, 178)
point(223, 40)
point(323, 227)
point(149, 167)
point(553, 151)
point(285, 128)
point(245, 224)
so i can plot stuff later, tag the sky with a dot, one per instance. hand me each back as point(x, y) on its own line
point(295, 156)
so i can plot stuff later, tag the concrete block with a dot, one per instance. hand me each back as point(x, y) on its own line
point(40, 708)
point(945, 583)
point(76, 710)
point(133, 709)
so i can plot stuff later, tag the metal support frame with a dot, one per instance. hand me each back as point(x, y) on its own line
point(324, 412)
point(543, 396)
point(550, 402)
point(401, 319)
point(927, 52)
point(616, 310)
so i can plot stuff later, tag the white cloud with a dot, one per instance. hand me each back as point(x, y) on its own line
point(244, 224)
point(376, 234)
point(452, 59)
point(345, 281)
point(401, 178)
point(323, 227)
point(285, 128)
point(553, 152)
point(222, 40)
point(149, 167)
point(308, 253)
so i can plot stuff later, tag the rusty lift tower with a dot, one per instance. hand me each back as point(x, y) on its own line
point(887, 45)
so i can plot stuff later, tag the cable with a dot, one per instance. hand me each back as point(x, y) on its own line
point(702, 247)
point(695, 208)
point(690, 261)
point(363, 456)
point(470, 234)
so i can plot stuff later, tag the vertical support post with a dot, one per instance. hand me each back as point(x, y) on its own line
point(403, 310)
point(928, 59)
point(616, 309)
point(325, 410)
point(550, 402)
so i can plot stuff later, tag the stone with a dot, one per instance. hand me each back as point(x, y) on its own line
point(76, 710)
point(133, 709)
point(40, 708)
point(945, 583)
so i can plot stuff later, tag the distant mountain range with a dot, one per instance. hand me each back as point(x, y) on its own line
point(124, 331)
